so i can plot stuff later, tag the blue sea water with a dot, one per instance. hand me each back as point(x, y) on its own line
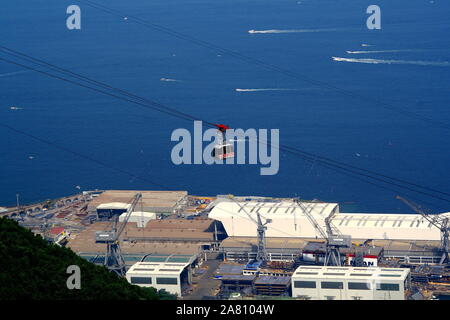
point(314, 118)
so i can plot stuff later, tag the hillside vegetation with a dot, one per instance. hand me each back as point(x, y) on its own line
point(32, 268)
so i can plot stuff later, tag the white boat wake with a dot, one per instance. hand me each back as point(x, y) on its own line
point(381, 61)
point(265, 89)
point(378, 51)
point(291, 30)
point(169, 80)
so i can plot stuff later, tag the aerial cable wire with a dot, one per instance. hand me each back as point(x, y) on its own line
point(267, 66)
point(83, 156)
point(315, 157)
point(153, 105)
point(189, 117)
point(159, 107)
point(46, 64)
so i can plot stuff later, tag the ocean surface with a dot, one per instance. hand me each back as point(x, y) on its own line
point(406, 65)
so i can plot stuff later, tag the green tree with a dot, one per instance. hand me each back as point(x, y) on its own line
point(32, 268)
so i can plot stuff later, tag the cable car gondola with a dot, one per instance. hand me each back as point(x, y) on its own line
point(222, 149)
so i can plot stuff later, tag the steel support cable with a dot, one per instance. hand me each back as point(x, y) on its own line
point(162, 108)
point(155, 105)
point(80, 155)
point(359, 171)
point(190, 117)
point(356, 169)
point(146, 105)
point(266, 65)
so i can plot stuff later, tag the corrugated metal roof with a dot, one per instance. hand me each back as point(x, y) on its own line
point(157, 268)
point(139, 214)
point(325, 272)
point(289, 220)
point(270, 209)
point(386, 220)
point(114, 205)
point(170, 259)
point(161, 199)
point(238, 277)
point(235, 269)
point(85, 242)
point(273, 280)
point(197, 224)
point(250, 242)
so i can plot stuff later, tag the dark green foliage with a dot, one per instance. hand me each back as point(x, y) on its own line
point(31, 268)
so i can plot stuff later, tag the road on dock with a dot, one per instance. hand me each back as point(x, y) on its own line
point(206, 284)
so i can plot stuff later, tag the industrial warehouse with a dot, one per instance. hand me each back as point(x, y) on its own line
point(245, 247)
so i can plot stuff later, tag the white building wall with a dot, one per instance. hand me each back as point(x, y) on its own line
point(141, 272)
point(330, 294)
point(358, 294)
point(309, 293)
point(172, 288)
point(376, 279)
point(288, 219)
point(281, 226)
point(295, 223)
point(386, 226)
point(141, 218)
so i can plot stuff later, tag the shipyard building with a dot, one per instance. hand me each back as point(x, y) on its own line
point(172, 273)
point(348, 283)
point(409, 238)
point(117, 201)
point(165, 247)
point(289, 220)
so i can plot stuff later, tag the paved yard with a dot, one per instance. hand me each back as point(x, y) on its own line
point(206, 284)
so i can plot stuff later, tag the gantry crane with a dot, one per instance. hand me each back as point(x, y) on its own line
point(437, 220)
point(261, 254)
point(113, 258)
point(334, 240)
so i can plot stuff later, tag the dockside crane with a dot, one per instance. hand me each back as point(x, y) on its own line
point(113, 258)
point(437, 220)
point(334, 240)
point(261, 254)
